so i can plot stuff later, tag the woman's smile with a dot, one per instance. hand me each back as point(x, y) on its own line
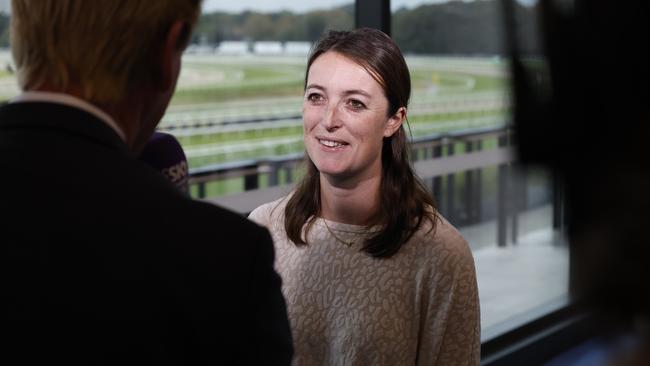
point(332, 143)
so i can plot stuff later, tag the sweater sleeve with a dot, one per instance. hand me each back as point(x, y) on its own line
point(450, 323)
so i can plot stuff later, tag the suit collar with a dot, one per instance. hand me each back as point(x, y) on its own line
point(67, 119)
point(69, 100)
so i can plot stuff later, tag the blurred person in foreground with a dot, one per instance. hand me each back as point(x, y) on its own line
point(103, 260)
point(372, 274)
point(586, 115)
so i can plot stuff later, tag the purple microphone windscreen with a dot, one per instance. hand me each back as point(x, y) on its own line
point(165, 154)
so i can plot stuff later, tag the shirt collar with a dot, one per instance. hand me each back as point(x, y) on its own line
point(72, 101)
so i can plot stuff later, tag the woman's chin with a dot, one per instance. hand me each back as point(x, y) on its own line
point(331, 171)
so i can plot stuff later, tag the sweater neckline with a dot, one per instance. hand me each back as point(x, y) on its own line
point(346, 228)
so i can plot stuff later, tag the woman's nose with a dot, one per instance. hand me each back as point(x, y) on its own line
point(331, 120)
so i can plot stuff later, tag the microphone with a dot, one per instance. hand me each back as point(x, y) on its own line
point(165, 154)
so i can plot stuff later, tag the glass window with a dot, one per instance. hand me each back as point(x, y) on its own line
point(239, 97)
point(460, 114)
point(8, 87)
point(238, 100)
point(237, 113)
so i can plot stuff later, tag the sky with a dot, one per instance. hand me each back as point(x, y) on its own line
point(293, 5)
point(264, 5)
point(303, 5)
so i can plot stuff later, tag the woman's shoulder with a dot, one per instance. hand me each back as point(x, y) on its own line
point(446, 232)
point(439, 237)
point(441, 250)
point(269, 212)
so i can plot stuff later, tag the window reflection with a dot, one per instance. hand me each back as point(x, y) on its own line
point(461, 103)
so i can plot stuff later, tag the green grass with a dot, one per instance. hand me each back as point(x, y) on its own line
point(425, 79)
point(239, 136)
point(262, 134)
point(241, 82)
point(261, 73)
point(421, 79)
point(214, 94)
point(489, 82)
point(253, 136)
point(256, 153)
point(278, 79)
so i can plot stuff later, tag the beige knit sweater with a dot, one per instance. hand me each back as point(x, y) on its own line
point(419, 307)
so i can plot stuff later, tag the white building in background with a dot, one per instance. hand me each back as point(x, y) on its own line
point(195, 49)
point(232, 48)
point(268, 48)
point(261, 48)
point(297, 48)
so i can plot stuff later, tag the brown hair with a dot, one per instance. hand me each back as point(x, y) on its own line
point(404, 201)
point(103, 47)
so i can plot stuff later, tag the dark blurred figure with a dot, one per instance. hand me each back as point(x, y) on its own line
point(585, 114)
point(103, 260)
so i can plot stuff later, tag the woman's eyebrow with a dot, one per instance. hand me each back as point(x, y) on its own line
point(346, 93)
point(357, 91)
point(315, 86)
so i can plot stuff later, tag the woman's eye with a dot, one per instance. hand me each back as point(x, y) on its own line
point(314, 97)
point(356, 104)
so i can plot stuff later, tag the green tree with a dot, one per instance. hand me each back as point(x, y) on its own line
point(278, 26)
point(260, 27)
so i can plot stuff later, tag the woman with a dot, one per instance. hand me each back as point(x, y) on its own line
point(373, 275)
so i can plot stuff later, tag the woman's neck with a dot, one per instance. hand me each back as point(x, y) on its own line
point(354, 203)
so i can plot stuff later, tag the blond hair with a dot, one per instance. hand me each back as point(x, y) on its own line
point(104, 48)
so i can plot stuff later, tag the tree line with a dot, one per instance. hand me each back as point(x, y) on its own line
point(455, 27)
point(452, 28)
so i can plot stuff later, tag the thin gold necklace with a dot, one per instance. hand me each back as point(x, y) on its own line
point(346, 243)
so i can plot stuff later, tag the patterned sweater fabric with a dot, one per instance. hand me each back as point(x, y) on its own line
point(419, 307)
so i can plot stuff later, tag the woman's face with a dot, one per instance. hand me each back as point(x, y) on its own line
point(345, 118)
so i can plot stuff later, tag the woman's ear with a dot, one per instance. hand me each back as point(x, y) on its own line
point(395, 122)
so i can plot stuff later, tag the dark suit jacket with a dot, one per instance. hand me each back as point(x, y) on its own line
point(104, 262)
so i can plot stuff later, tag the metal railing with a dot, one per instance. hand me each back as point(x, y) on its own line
point(451, 165)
